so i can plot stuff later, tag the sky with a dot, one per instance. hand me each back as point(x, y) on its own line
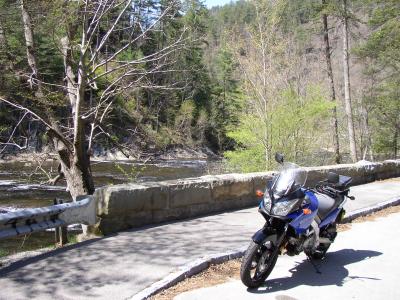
point(211, 3)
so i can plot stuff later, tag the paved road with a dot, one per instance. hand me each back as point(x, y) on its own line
point(363, 263)
point(122, 265)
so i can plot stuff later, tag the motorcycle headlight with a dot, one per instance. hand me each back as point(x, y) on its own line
point(267, 202)
point(283, 208)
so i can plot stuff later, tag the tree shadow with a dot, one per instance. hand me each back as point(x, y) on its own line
point(126, 262)
point(332, 268)
point(37, 258)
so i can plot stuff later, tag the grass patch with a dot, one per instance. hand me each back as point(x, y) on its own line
point(32, 241)
point(3, 252)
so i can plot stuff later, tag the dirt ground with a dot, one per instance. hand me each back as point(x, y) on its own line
point(214, 275)
point(217, 274)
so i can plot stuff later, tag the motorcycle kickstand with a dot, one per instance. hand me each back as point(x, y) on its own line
point(313, 264)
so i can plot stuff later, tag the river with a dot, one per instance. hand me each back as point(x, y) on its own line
point(21, 183)
point(21, 186)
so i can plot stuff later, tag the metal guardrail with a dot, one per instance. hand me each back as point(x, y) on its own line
point(25, 221)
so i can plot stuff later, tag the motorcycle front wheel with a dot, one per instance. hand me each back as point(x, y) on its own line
point(257, 264)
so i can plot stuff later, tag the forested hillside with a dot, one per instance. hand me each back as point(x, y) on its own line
point(317, 79)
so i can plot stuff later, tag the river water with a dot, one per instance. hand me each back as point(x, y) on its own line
point(21, 183)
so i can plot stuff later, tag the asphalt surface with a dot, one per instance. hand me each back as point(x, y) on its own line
point(120, 266)
point(362, 264)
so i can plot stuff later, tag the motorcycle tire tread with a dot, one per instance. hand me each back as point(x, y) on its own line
point(246, 264)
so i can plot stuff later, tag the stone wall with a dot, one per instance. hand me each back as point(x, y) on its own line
point(125, 206)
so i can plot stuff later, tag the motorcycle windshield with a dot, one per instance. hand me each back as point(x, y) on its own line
point(291, 178)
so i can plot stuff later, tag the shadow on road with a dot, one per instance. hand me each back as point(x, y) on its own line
point(126, 262)
point(37, 258)
point(333, 271)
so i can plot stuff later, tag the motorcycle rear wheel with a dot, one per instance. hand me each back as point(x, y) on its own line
point(258, 262)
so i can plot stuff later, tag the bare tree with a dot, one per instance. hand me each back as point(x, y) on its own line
point(346, 76)
point(367, 93)
point(95, 72)
point(334, 121)
point(260, 55)
point(276, 85)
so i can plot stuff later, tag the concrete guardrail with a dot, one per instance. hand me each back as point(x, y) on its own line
point(125, 206)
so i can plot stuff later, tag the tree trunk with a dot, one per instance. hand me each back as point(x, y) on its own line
point(75, 162)
point(395, 138)
point(30, 51)
point(74, 159)
point(3, 49)
point(368, 143)
point(334, 121)
point(266, 155)
point(346, 75)
point(28, 33)
point(3, 43)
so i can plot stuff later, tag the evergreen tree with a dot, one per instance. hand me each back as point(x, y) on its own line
point(380, 53)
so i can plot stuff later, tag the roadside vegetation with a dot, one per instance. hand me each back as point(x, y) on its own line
point(245, 79)
point(39, 241)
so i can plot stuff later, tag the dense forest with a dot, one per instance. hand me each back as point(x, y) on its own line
point(317, 80)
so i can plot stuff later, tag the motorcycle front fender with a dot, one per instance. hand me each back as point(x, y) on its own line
point(260, 236)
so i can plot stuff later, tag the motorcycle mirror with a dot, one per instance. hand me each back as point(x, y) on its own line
point(279, 158)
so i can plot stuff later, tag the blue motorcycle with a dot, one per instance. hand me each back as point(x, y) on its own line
point(297, 219)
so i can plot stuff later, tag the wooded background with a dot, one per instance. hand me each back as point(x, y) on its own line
point(316, 79)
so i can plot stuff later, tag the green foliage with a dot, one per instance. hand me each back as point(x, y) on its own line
point(29, 242)
point(184, 119)
point(383, 44)
point(202, 95)
point(290, 127)
point(249, 159)
point(381, 51)
point(131, 173)
point(386, 115)
point(226, 98)
point(3, 129)
point(163, 137)
point(3, 252)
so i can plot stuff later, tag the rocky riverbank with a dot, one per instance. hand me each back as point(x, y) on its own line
point(173, 152)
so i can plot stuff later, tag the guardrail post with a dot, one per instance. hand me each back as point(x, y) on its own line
point(61, 237)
